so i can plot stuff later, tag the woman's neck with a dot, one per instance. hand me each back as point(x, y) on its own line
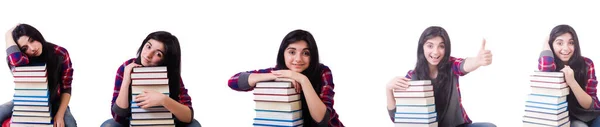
point(433, 71)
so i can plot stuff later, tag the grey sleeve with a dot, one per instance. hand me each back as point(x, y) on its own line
point(392, 113)
point(243, 83)
point(325, 121)
point(546, 53)
point(120, 111)
point(12, 49)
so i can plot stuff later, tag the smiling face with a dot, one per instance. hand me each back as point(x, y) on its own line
point(152, 53)
point(297, 56)
point(434, 50)
point(563, 47)
point(29, 46)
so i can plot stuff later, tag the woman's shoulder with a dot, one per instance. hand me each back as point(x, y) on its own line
point(588, 61)
point(127, 62)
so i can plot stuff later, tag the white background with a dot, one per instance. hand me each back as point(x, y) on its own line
point(364, 43)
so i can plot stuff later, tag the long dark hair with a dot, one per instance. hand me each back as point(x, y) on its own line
point(27, 30)
point(443, 82)
point(314, 70)
point(171, 59)
point(576, 62)
point(54, 73)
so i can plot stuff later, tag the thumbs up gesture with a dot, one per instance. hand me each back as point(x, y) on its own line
point(484, 57)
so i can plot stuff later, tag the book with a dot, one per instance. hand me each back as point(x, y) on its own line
point(31, 85)
point(433, 124)
point(157, 88)
point(149, 75)
point(546, 99)
point(29, 113)
point(31, 108)
point(150, 82)
point(416, 115)
point(415, 109)
point(548, 74)
point(152, 115)
point(550, 91)
point(546, 122)
point(277, 98)
point(415, 120)
point(150, 69)
point(547, 79)
point(152, 122)
point(547, 116)
point(548, 85)
point(31, 119)
point(31, 125)
point(413, 94)
point(279, 114)
point(419, 88)
point(273, 85)
point(30, 67)
point(273, 122)
point(278, 106)
point(415, 101)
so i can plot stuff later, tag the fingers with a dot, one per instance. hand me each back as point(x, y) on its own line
point(143, 104)
point(483, 44)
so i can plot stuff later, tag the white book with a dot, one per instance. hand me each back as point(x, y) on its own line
point(548, 106)
point(415, 101)
point(142, 88)
point(546, 122)
point(278, 122)
point(548, 74)
point(525, 124)
point(173, 125)
point(413, 94)
point(25, 113)
point(279, 115)
point(278, 106)
point(150, 82)
point(545, 110)
point(30, 79)
point(278, 91)
point(416, 115)
point(31, 119)
point(30, 103)
point(151, 122)
point(150, 69)
point(434, 124)
point(546, 115)
point(546, 99)
point(547, 79)
point(550, 91)
point(417, 88)
point(419, 82)
point(152, 115)
point(30, 68)
point(548, 85)
point(31, 85)
point(29, 73)
point(37, 99)
point(277, 98)
point(273, 85)
point(40, 93)
point(151, 75)
point(415, 120)
point(415, 109)
point(152, 109)
point(30, 125)
point(31, 108)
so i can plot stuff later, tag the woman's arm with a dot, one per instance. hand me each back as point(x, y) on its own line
point(245, 81)
point(484, 58)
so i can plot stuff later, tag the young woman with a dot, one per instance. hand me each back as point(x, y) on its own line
point(579, 74)
point(435, 63)
point(158, 49)
point(298, 60)
point(24, 45)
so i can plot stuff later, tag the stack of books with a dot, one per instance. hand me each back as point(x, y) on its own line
point(31, 98)
point(150, 79)
point(546, 106)
point(277, 104)
point(415, 106)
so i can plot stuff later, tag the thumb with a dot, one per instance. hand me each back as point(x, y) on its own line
point(483, 45)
